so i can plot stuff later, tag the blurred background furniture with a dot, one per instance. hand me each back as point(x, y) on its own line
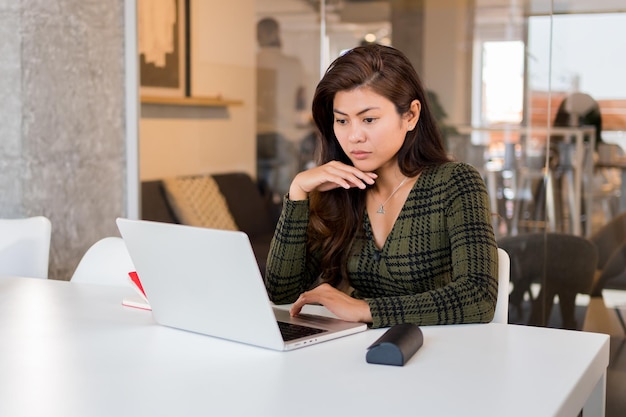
point(611, 268)
point(580, 110)
point(529, 169)
point(106, 262)
point(611, 172)
point(242, 202)
point(610, 274)
point(601, 317)
point(562, 264)
point(278, 161)
point(25, 246)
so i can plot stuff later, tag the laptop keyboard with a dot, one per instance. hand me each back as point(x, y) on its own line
point(292, 331)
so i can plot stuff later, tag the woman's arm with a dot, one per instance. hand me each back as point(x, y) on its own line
point(289, 272)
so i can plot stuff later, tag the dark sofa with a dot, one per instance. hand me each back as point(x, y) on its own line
point(253, 212)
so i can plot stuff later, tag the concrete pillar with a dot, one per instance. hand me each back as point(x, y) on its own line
point(407, 21)
point(62, 120)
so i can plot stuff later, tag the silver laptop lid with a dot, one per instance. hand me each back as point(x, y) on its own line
point(202, 280)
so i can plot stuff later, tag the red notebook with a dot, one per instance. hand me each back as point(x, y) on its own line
point(137, 302)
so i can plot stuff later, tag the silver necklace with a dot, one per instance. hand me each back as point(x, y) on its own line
point(381, 208)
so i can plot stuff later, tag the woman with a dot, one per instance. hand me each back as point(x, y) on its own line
point(385, 229)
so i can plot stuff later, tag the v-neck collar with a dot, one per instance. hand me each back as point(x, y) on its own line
point(367, 225)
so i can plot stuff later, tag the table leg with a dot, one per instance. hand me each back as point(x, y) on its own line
point(579, 168)
point(596, 403)
point(589, 151)
point(620, 318)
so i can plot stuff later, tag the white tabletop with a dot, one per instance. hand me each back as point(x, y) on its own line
point(69, 349)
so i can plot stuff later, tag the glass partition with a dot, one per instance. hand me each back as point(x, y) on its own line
point(522, 92)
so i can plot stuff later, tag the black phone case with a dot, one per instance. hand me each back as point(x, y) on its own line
point(396, 346)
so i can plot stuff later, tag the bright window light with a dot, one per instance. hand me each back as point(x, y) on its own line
point(503, 81)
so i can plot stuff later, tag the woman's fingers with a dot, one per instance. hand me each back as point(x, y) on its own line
point(333, 175)
point(351, 176)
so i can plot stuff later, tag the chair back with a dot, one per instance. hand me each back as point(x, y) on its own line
point(613, 274)
point(563, 264)
point(609, 238)
point(25, 246)
point(106, 262)
point(504, 273)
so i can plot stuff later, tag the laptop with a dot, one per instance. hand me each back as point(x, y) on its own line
point(208, 281)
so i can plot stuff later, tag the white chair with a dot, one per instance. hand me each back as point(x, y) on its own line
point(25, 246)
point(106, 262)
point(504, 272)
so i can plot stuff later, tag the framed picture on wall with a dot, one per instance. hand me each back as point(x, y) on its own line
point(163, 47)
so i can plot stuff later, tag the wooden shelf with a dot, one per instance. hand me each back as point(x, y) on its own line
point(191, 101)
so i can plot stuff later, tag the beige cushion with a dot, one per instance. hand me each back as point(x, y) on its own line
point(197, 201)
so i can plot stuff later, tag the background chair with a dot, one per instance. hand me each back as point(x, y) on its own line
point(607, 179)
point(563, 264)
point(504, 272)
point(600, 318)
point(576, 110)
point(610, 240)
point(25, 246)
point(610, 274)
point(106, 262)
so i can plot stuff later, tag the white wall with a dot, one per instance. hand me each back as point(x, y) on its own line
point(175, 141)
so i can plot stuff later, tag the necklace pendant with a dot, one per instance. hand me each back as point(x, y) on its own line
point(381, 209)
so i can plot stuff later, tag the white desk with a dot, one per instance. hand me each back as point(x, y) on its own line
point(72, 350)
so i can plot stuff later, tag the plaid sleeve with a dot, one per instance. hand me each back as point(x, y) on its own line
point(289, 270)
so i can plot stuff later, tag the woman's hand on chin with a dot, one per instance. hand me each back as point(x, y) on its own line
point(337, 302)
point(327, 177)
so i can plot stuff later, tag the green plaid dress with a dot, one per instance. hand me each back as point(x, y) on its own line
point(437, 266)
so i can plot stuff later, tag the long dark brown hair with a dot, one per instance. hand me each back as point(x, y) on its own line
point(337, 215)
